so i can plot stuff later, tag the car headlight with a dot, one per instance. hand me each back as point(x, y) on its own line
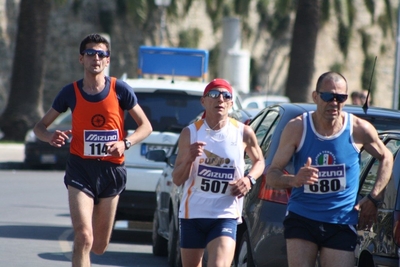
point(30, 137)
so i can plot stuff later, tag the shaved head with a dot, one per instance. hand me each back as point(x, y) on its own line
point(331, 75)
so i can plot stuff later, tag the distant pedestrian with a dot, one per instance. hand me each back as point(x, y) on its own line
point(356, 98)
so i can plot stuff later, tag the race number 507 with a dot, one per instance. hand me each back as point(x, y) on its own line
point(214, 186)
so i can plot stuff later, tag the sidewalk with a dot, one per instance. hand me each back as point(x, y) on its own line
point(11, 156)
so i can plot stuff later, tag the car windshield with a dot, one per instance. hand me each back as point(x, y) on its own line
point(167, 111)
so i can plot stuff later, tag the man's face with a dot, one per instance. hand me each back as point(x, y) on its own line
point(217, 101)
point(331, 98)
point(94, 59)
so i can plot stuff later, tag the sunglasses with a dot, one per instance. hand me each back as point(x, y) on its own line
point(215, 94)
point(93, 52)
point(329, 97)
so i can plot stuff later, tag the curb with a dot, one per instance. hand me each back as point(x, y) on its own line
point(12, 166)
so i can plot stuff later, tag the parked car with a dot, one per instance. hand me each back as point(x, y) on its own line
point(245, 115)
point(262, 101)
point(260, 239)
point(165, 236)
point(39, 154)
point(380, 244)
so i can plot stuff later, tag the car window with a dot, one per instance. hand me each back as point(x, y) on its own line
point(265, 129)
point(370, 178)
point(255, 122)
point(167, 111)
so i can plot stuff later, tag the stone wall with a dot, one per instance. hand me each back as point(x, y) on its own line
point(69, 27)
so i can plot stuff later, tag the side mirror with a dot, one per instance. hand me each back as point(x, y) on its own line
point(171, 160)
point(156, 155)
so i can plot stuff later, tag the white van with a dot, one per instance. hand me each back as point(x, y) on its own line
point(170, 104)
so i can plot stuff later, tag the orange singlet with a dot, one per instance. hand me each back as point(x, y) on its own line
point(96, 123)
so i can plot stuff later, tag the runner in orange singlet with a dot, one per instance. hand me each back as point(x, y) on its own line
point(95, 174)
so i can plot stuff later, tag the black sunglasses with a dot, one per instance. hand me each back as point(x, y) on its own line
point(93, 52)
point(329, 97)
point(215, 94)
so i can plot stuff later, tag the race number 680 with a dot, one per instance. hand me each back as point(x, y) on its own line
point(324, 186)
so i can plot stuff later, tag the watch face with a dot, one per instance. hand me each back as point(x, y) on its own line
point(127, 144)
point(252, 180)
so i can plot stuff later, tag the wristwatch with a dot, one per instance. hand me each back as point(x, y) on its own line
point(252, 180)
point(128, 144)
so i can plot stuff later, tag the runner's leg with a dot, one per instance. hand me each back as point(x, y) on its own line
point(103, 222)
point(81, 209)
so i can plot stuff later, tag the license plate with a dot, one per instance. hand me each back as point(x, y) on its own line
point(149, 147)
point(48, 159)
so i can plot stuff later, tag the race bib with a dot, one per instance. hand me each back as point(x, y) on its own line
point(214, 179)
point(95, 142)
point(331, 179)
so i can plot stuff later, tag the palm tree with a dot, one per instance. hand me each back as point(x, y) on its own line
point(24, 106)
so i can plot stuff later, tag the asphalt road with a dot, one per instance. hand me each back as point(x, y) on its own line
point(35, 227)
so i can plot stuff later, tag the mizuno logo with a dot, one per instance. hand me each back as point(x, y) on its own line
point(330, 173)
point(210, 174)
point(95, 137)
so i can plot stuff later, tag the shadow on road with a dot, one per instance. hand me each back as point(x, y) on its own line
point(42, 232)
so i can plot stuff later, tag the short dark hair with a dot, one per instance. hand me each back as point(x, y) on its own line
point(331, 75)
point(355, 94)
point(94, 38)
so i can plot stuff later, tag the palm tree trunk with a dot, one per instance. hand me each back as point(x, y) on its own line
point(24, 107)
point(301, 67)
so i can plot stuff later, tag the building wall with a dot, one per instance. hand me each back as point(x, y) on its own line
point(68, 28)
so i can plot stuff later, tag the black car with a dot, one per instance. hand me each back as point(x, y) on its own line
point(260, 240)
point(39, 154)
point(380, 244)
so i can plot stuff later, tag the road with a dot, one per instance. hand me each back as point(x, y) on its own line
point(35, 227)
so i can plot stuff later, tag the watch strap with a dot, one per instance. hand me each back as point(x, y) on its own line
point(373, 200)
point(127, 144)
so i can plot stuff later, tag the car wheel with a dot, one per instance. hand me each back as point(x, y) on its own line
point(160, 244)
point(174, 250)
point(244, 258)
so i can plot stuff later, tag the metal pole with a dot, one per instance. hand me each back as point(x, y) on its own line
point(397, 62)
point(162, 4)
point(162, 25)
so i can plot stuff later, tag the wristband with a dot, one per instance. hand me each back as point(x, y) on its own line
point(373, 200)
